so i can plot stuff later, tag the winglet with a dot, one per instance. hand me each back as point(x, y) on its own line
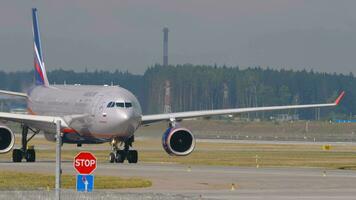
point(337, 101)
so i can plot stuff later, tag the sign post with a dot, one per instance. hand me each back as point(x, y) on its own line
point(58, 160)
point(85, 164)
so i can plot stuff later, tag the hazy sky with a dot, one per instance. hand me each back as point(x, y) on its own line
point(127, 34)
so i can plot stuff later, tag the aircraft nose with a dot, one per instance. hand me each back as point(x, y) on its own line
point(127, 121)
point(125, 116)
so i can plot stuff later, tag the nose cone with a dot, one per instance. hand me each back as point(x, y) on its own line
point(125, 115)
point(127, 121)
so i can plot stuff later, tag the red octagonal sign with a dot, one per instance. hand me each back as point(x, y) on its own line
point(85, 163)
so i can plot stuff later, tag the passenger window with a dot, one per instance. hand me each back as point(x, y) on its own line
point(128, 105)
point(121, 105)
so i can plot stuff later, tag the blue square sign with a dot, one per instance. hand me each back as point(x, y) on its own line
point(85, 183)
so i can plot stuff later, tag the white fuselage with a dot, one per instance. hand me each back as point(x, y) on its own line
point(92, 113)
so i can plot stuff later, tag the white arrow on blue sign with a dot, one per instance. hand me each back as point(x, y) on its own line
point(85, 183)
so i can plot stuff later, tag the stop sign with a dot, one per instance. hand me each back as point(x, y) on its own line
point(85, 163)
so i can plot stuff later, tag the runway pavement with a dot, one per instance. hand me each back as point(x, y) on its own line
point(172, 181)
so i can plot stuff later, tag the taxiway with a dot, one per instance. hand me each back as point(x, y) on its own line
point(217, 182)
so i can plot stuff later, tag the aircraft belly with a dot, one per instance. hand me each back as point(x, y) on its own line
point(104, 131)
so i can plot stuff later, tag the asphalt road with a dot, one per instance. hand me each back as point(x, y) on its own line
point(172, 181)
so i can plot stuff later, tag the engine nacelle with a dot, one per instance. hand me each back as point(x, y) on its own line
point(178, 141)
point(7, 139)
point(50, 136)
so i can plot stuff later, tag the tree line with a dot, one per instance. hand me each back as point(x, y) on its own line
point(198, 87)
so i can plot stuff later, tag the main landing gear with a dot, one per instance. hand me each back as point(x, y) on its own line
point(28, 154)
point(119, 156)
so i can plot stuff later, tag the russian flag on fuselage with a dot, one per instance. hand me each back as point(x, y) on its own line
point(40, 70)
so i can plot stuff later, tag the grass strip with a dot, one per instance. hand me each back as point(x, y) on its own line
point(11, 180)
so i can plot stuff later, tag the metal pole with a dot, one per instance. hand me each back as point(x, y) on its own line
point(58, 159)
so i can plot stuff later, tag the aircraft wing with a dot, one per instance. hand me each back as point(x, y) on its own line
point(147, 119)
point(19, 94)
point(32, 120)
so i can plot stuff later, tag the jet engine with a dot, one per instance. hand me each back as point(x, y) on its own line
point(178, 141)
point(7, 139)
point(50, 136)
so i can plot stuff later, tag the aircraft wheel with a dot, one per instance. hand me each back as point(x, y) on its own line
point(120, 156)
point(16, 155)
point(30, 155)
point(132, 156)
point(111, 157)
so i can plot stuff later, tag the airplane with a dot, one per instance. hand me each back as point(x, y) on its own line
point(99, 114)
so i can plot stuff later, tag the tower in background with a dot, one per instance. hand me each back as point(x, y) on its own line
point(165, 46)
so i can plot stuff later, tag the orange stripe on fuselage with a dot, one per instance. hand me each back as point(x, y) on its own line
point(30, 111)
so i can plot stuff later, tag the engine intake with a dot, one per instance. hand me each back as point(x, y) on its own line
point(178, 141)
point(7, 139)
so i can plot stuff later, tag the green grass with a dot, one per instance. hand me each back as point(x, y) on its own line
point(331, 160)
point(226, 154)
point(11, 180)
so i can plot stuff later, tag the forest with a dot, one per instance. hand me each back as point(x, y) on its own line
point(196, 87)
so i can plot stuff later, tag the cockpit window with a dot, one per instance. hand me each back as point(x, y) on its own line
point(120, 104)
point(110, 105)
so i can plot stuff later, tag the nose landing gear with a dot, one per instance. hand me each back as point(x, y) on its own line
point(119, 156)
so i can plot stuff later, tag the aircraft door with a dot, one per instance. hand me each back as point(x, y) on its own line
point(95, 106)
point(102, 112)
point(99, 110)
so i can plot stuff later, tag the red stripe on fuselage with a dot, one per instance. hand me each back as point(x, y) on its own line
point(69, 130)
